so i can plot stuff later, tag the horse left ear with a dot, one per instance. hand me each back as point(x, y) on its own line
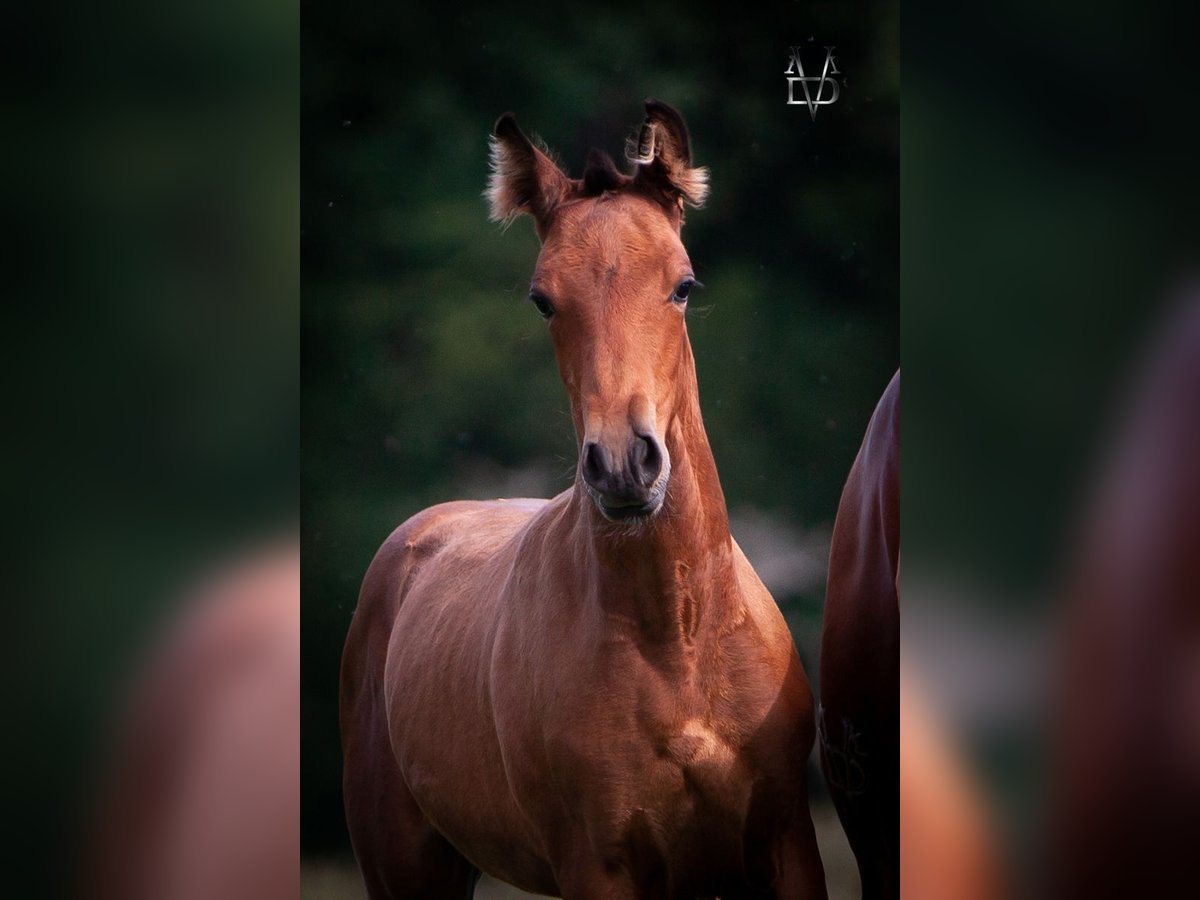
point(662, 155)
point(523, 179)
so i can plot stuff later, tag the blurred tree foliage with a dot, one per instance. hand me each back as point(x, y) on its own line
point(422, 363)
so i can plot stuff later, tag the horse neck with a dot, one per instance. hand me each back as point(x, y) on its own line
point(675, 573)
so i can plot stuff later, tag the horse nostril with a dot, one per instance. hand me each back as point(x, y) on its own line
point(595, 463)
point(645, 460)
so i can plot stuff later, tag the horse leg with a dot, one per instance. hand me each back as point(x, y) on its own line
point(801, 875)
point(864, 785)
point(400, 854)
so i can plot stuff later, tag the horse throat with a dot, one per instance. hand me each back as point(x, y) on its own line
point(669, 575)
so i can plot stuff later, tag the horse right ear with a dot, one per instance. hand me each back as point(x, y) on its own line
point(524, 179)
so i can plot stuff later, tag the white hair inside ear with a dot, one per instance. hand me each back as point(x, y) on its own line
point(657, 147)
point(503, 201)
point(523, 178)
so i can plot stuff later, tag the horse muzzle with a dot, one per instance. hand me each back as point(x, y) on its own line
point(629, 485)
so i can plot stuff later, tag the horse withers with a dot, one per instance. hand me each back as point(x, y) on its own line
point(592, 696)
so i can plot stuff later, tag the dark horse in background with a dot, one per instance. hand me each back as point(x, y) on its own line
point(889, 762)
point(859, 717)
point(591, 696)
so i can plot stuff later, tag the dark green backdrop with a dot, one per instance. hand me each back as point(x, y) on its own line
point(425, 376)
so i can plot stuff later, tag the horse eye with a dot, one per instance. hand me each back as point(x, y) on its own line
point(685, 288)
point(543, 305)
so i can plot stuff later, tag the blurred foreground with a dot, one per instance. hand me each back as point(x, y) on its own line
point(202, 797)
point(1126, 729)
point(1088, 702)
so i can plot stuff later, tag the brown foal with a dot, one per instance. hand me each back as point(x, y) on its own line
point(592, 696)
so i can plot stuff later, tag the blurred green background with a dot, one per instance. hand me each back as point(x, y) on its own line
point(1049, 212)
point(151, 395)
point(427, 378)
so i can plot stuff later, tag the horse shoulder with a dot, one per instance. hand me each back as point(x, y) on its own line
point(772, 695)
point(422, 545)
point(766, 624)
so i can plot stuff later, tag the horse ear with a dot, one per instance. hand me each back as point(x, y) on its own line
point(662, 155)
point(523, 179)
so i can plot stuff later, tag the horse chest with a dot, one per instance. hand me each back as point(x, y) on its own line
point(676, 795)
point(686, 774)
point(697, 746)
point(709, 777)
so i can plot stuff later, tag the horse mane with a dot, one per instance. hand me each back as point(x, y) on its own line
point(600, 174)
